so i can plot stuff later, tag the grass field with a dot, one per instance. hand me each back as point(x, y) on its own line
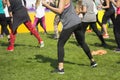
point(28, 62)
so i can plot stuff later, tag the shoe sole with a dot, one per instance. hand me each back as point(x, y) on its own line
point(60, 72)
point(117, 51)
point(10, 50)
point(95, 65)
point(41, 46)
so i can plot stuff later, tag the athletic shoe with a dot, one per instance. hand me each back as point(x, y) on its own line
point(41, 44)
point(10, 48)
point(1, 36)
point(105, 36)
point(89, 30)
point(117, 50)
point(58, 71)
point(93, 64)
point(56, 36)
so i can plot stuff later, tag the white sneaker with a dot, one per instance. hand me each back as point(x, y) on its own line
point(41, 44)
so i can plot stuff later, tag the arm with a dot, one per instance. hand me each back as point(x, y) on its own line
point(9, 8)
point(107, 4)
point(83, 9)
point(58, 10)
point(37, 3)
point(77, 9)
point(25, 2)
point(117, 4)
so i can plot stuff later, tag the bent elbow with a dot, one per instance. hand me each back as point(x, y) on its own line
point(60, 11)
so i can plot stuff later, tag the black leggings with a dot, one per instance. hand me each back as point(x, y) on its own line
point(3, 23)
point(117, 30)
point(95, 29)
point(109, 14)
point(80, 37)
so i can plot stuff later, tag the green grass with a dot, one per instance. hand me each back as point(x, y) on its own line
point(28, 62)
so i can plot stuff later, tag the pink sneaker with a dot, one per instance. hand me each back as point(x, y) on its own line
point(10, 48)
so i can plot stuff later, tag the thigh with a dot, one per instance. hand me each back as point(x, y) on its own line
point(65, 35)
point(106, 16)
point(80, 34)
point(84, 26)
point(94, 26)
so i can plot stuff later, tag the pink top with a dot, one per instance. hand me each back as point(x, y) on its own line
point(118, 10)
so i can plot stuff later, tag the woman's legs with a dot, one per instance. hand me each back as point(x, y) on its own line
point(117, 31)
point(42, 23)
point(4, 28)
point(98, 33)
point(35, 23)
point(12, 40)
point(34, 32)
point(80, 37)
point(107, 15)
point(64, 36)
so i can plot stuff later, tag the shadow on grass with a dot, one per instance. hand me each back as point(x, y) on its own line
point(3, 43)
point(51, 36)
point(53, 62)
point(108, 46)
point(16, 44)
point(118, 62)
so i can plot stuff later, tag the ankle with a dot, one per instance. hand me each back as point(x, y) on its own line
point(92, 60)
point(60, 66)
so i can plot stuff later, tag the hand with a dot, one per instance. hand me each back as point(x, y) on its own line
point(44, 3)
point(112, 0)
point(99, 6)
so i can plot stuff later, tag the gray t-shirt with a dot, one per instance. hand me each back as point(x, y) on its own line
point(90, 15)
point(69, 18)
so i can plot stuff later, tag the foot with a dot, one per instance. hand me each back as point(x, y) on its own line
point(89, 30)
point(10, 48)
point(56, 36)
point(117, 50)
point(93, 64)
point(58, 71)
point(106, 36)
point(41, 44)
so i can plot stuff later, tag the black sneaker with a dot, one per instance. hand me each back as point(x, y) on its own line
point(117, 50)
point(93, 64)
point(58, 71)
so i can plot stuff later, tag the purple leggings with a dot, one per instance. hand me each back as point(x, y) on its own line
point(41, 21)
